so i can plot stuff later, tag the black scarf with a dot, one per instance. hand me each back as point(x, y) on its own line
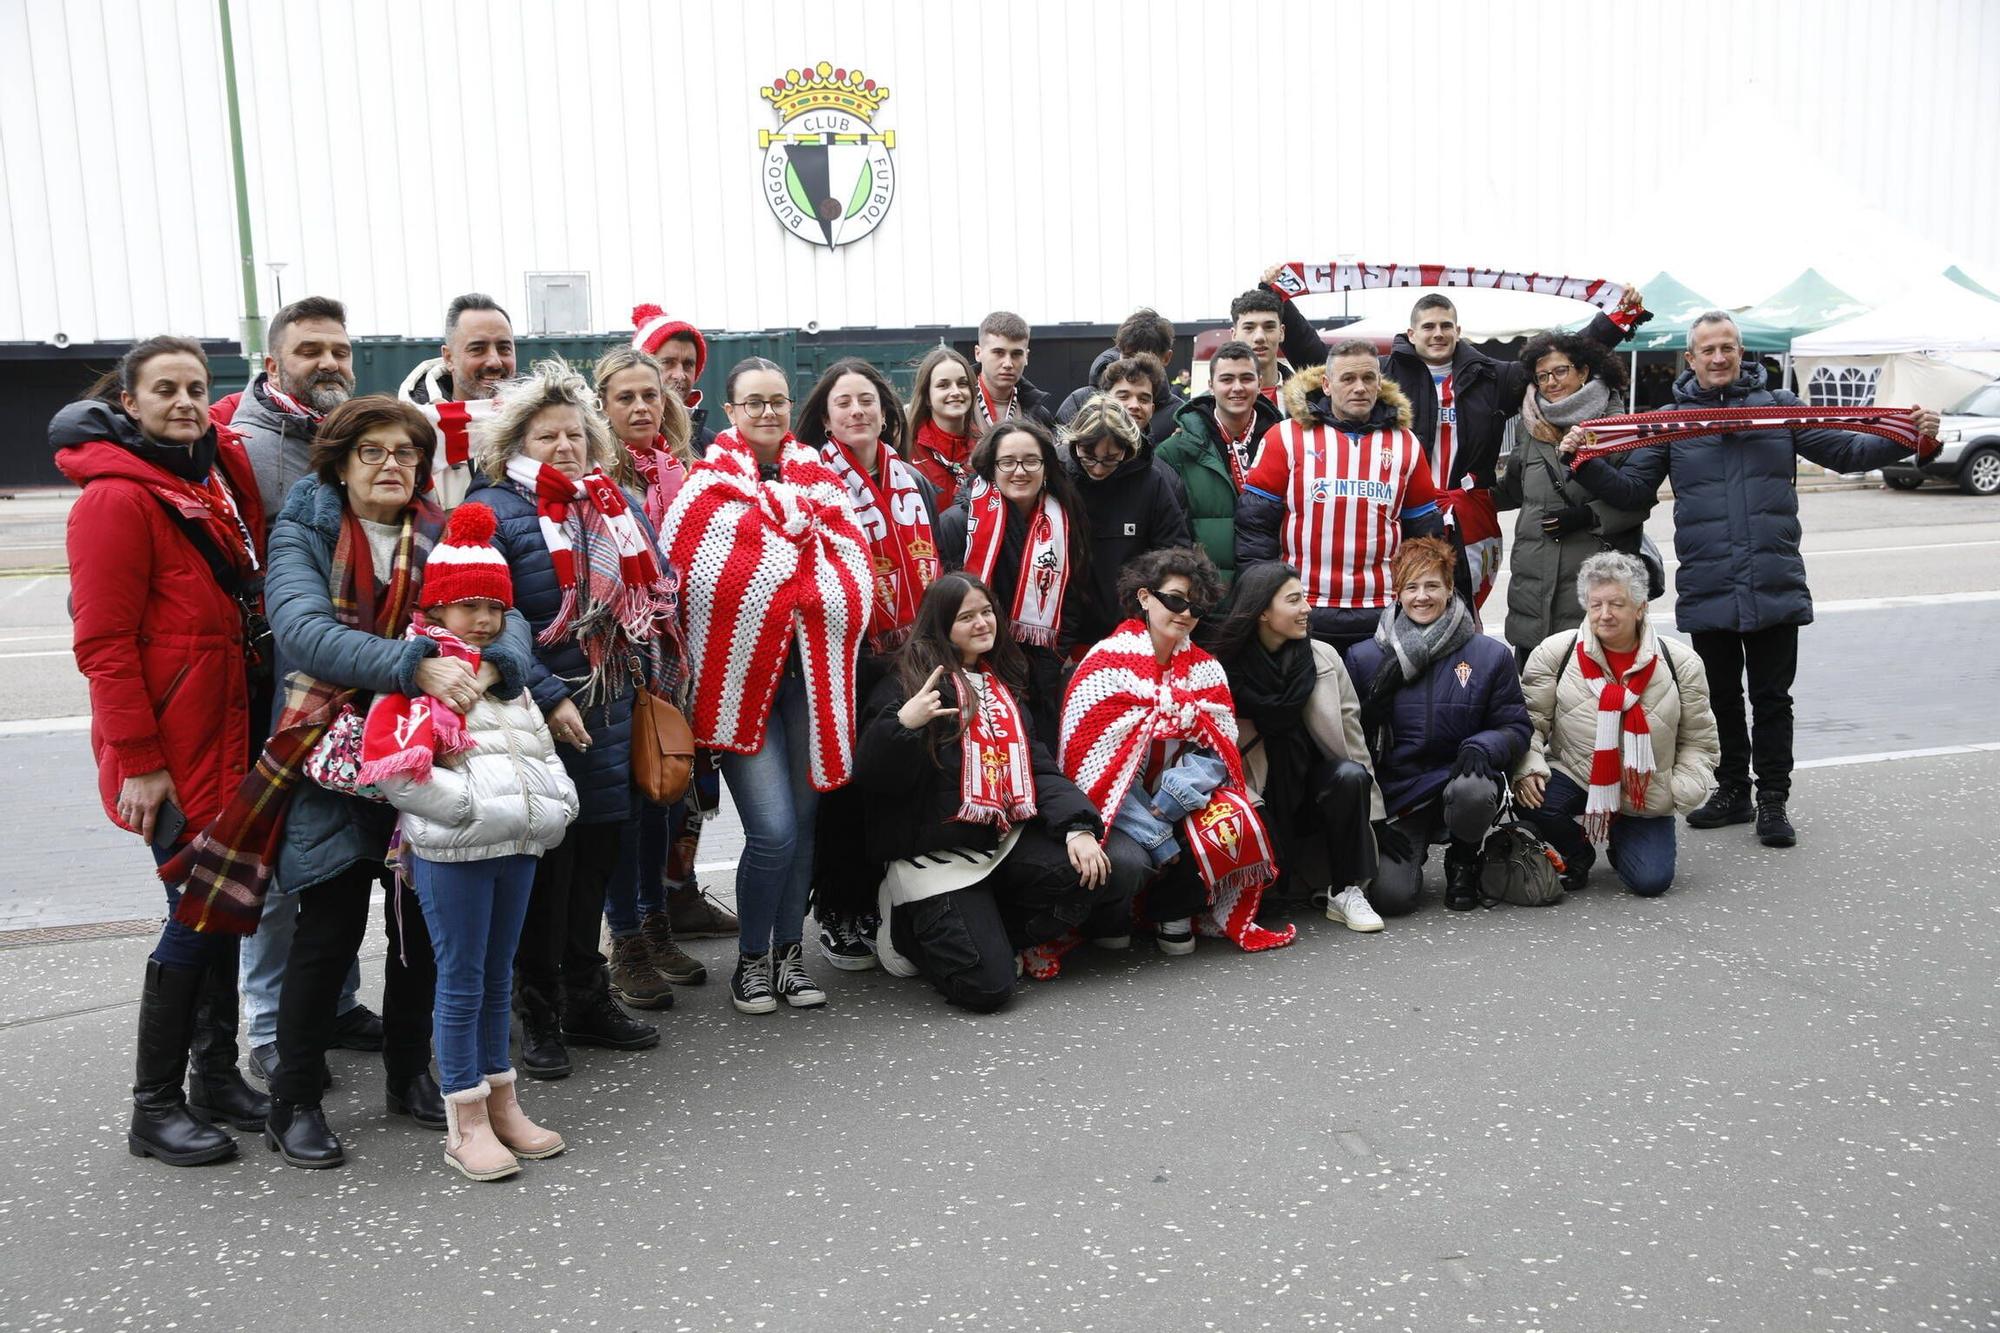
point(1272, 690)
point(188, 462)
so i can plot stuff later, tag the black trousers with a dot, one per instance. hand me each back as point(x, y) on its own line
point(558, 954)
point(1769, 659)
point(333, 918)
point(1344, 626)
point(1330, 817)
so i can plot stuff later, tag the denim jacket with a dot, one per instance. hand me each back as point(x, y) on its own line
point(1149, 818)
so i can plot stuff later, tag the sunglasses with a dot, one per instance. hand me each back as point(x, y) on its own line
point(1180, 605)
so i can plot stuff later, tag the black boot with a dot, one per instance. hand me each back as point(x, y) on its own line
point(300, 1135)
point(1773, 828)
point(593, 1018)
point(1461, 876)
point(418, 1098)
point(542, 1052)
point(162, 1125)
point(1730, 804)
point(216, 1090)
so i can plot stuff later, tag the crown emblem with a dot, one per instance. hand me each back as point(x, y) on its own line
point(823, 87)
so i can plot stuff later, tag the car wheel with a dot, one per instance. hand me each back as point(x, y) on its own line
point(1902, 481)
point(1981, 473)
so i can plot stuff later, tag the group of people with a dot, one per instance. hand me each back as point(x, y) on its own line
point(987, 679)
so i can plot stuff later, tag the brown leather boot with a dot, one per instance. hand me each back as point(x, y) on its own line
point(522, 1136)
point(469, 1141)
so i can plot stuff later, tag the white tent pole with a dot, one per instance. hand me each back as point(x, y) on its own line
point(1632, 384)
point(1785, 379)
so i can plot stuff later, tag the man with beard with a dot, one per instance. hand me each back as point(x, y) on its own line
point(478, 356)
point(308, 371)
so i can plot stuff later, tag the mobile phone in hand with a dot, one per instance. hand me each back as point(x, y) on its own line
point(168, 825)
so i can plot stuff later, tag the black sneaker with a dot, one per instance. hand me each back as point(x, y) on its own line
point(750, 989)
point(359, 1029)
point(790, 979)
point(1773, 828)
point(594, 1019)
point(843, 945)
point(1730, 804)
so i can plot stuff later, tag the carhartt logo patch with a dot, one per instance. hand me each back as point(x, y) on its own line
point(1464, 673)
point(1131, 529)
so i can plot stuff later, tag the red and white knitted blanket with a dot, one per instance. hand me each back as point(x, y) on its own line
point(1122, 702)
point(766, 565)
point(1300, 278)
point(1636, 430)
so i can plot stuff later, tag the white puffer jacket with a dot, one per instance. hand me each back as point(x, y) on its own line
point(509, 796)
point(1564, 710)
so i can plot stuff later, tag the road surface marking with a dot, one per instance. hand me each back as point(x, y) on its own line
point(1890, 756)
point(27, 587)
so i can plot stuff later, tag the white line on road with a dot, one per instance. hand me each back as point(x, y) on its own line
point(1892, 603)
point(27, 587)
point(1890, 756)
point(52, 652)
point(38, 726)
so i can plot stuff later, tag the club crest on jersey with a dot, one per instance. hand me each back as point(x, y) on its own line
point(1464, 673)
point(828, 173)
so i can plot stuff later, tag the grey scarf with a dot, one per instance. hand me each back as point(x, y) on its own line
point(1408, 650)
point(1549, 422)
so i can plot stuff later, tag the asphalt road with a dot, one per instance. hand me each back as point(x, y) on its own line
point(1765, 1101)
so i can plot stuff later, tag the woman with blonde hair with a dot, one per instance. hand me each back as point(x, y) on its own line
point(1134, 504)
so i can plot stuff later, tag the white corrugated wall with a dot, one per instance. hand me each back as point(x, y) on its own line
point(1067, 160)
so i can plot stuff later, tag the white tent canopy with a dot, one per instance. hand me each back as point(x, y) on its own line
point(1482, 313)
point(1936, 315)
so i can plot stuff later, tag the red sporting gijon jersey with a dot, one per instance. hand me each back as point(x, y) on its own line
point(1344, 496)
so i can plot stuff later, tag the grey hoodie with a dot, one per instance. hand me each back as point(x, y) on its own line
point(278, 444)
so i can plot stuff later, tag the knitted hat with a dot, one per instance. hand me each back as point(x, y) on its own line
point(653, 328)
point(464, 567)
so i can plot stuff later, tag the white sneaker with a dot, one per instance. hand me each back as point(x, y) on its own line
point(1175, 938)
point(1350, 908)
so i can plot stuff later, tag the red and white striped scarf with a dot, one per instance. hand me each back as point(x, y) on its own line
point(942, 457)
point(996, 781)
point(1044, 574)
point(1119, 704)
point(1621, 760)
point(404, 735)
point(766, 564)
point(1636, 430)
point(609, 528)
point(897, 528)
point(663, 475)
point(1299, 278)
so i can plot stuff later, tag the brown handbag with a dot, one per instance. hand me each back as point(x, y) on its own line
point(662, 749)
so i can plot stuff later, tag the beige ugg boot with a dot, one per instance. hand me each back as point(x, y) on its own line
point(511, 1125)
point(469, 1142)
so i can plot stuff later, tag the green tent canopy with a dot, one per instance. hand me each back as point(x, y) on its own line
point(1971, 284)
point(1804, 305)
point(1675, 306)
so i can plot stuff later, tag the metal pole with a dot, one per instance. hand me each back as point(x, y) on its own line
point(253, 323)
point(1632, 384)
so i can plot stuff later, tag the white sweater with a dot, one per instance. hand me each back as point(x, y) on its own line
point(509, 796)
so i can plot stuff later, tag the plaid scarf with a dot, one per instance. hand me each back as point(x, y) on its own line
point(1298, 278)
point(1636, 430)
point(891, 515)
point(227, 869)
point(1621, 759)
point(996, 782)
point(403, 735)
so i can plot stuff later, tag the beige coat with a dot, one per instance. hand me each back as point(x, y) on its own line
point(1564, 710)
point(1333, 716)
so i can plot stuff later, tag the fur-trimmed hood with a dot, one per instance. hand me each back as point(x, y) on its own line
point(1305, 401)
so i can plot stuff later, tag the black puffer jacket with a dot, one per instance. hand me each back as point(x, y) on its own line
point(1736, 506)
point(920, 814)
point(1141, 507)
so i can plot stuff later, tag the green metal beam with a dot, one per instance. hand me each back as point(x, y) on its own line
point(253, 323)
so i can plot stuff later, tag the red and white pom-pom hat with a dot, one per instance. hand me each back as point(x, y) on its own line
point(652, 327)
point(464, 567)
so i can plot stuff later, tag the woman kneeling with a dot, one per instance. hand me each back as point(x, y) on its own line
point(990, 849)
point(1613, 704)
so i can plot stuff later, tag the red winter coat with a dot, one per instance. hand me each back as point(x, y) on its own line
point(159, 641)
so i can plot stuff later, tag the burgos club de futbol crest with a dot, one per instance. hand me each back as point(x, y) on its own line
point(828, 174)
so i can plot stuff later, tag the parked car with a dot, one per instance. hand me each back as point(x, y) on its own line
point(1970, 454)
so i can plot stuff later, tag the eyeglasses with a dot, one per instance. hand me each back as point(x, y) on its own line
point(1179, 604)
point(1030, 465)
point(758, 407)
point(374, 455)
point(1554, 373)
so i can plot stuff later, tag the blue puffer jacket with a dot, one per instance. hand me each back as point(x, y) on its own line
point(326, 832)
point(1736, 506)
point(603, 773)
point(1435, 716)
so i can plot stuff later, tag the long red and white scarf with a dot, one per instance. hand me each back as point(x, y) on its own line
point(1477, 518)
point(996, 781)
point(404, 735)
point(1122, 702)
point(1636, 430)
point(600, 506)
point(986, 403)
point(1621, 757)
point(1300, 277)
point(764, 565)
point(897, 528)
point(1044, 574)
point(453, 423)
point(663, 475)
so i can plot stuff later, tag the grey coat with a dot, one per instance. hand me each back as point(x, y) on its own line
point(1541, 583)
point(1736, 506)
point(327, 832)
point(277, 442)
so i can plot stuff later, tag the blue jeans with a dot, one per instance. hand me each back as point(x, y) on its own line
point(658, 827)
point(1641, 846)
point(179, 946)
point(774, 797)
point(260, 971)
point(474, 910)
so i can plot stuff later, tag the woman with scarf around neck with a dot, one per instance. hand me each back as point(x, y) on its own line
point(1020, 529)
point(1623, 733)
point(851, 418)
point(1441, 709)
point(653, 430)
point(780, 588)
point(1299, 729)
point(990, 850)
point(1560, 525)
point(1149, 734)
point(941, 424)
point(164, 647)
point(588, 576)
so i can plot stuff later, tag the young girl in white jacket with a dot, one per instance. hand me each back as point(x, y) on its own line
point(481, 799)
